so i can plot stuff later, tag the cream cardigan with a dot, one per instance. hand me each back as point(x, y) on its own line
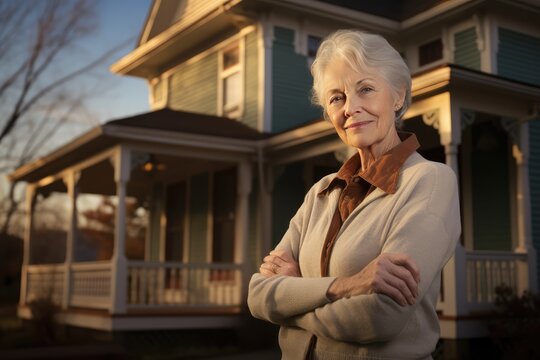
point(421, 219)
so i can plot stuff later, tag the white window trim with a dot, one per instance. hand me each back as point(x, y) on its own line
point(222, 74)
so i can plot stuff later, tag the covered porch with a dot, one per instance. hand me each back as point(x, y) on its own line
point(144, 225)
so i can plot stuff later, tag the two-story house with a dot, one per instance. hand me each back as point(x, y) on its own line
point(157, 221)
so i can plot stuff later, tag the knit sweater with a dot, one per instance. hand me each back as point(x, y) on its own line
point(421, 220)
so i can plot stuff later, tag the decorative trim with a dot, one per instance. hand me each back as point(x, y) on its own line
point(467, 118)
point(431, 118)
point(511, 126)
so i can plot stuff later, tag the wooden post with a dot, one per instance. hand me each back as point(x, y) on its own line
point(29, 206)
point(242, 224)
point(71, 184)
point(119, 263)
point(526, 270)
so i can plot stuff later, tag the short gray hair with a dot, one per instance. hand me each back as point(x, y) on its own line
point(362, 50)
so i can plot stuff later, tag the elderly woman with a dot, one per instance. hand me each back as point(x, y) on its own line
point(357, 274)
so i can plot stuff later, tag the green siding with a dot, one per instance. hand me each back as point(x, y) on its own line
point(288, 194)
point(291, 84)
point(251, 89)
point(534, 178)
point(518, 58)
point(466, 52)
point(194, 86)
point(198, 218)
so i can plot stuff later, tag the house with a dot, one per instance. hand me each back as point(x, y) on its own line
point(157, 221)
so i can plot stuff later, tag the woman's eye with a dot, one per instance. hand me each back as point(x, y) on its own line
point(366, 90)
point(335, 99)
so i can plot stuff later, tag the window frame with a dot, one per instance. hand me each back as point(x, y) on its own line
point(223, 74)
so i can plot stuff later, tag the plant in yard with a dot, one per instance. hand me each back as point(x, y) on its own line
point(516, 324)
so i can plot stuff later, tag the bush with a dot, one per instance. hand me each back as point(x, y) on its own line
point(516, 324)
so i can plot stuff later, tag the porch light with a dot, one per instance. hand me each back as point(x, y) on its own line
point(152, 165)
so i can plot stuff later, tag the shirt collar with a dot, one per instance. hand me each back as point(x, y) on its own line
point(383, 173)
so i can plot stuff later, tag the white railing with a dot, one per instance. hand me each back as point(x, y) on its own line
point(486, 270)
point(45, 282)
point(91, 285)
point(471, 280)
point(163, 284)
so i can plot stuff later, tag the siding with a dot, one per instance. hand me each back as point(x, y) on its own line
point(198, 218)
point(288, 194)
point(466, 52)
point(534, 176)
point(291, 84)
point(251, 86)
point(194, 86)
point(518, 58)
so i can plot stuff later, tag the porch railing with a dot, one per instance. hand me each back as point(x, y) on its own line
point(45, 282)
point(162, 284)
point(149, 284)
point(486, 270)
point(481, 273)
point(91, 285)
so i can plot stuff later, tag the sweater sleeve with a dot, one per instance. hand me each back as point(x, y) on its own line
point(278, 298)
point(426, 227)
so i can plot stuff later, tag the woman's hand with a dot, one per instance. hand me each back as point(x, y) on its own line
point(392, 274)
point(279, 262)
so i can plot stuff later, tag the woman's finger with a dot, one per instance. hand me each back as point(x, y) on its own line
point(405, 275)
point(405, 261)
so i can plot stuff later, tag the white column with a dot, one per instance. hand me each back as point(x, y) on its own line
point(71, 183)
point(119, 263)
point(526, 271)
point(242, 223)
point(29, 206)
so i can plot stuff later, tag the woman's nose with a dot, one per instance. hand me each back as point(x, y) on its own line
point(352, 106)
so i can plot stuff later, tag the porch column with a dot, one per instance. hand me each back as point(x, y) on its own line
point(119, 263)
point(242, 223)
point(454, 273)
point(29, 206)
point(526, 271)
point(71, 184)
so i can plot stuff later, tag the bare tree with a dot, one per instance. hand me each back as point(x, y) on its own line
point(35, 102)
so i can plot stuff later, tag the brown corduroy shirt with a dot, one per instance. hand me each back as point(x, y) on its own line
point(356, 184)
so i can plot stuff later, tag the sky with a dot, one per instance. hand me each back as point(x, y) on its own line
point(118, 21)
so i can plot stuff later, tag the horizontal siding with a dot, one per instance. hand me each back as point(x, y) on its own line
point(534, 181)
point(251, 104)
point(198, 218)
point(194, 86)
point(519, 56)
point(291, 84)
point(466, 52)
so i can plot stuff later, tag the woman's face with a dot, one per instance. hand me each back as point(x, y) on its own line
point(360, 105)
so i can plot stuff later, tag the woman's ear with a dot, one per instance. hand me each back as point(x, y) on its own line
point(400, 100)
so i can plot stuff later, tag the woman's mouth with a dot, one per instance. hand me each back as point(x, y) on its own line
point(358, 124)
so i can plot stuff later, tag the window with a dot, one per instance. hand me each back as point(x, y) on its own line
point(430, 52)
point(231, 81)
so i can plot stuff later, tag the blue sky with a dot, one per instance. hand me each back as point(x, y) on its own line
point(119, 20)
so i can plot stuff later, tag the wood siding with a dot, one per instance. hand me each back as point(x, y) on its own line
point(466, 52)
point(198, 224)
point(291, 84)
point(194, 86)
point(251, 86)
point(518, 58)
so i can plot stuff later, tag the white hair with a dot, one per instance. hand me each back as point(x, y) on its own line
point(362, 51)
